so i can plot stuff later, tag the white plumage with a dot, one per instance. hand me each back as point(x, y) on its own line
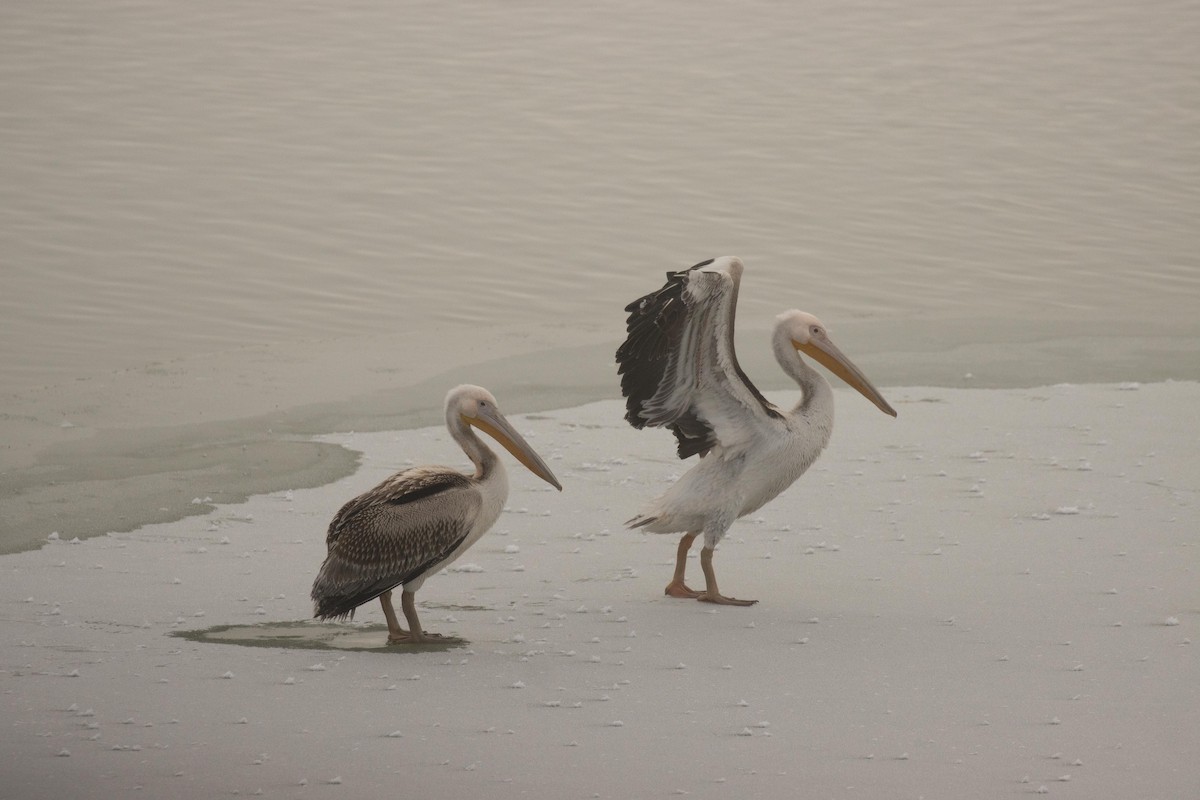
point(679, 370)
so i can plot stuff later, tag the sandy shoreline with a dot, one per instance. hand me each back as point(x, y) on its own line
point(114, 452)
point(993, 595)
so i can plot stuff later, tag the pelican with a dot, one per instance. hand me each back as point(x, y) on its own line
point(679, 371)
point(420, 520)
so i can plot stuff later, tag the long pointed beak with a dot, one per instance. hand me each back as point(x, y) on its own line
point(834, 360)
point(495, 425)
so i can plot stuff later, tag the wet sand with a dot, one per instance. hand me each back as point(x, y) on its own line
point(136, 447)
point(994, 594)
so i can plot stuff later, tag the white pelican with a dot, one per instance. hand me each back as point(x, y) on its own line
point(679, 371)
point(419, 520)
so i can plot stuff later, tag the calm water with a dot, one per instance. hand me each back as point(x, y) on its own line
point(183, 184)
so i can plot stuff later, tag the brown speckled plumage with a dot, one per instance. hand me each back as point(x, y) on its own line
point(420, 520)
point(391, 535)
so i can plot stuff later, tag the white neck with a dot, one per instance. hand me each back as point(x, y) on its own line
point(817, 396)
point(481, 455)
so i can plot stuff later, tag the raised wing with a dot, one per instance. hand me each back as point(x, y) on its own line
point(678, 366)
point(392, 534)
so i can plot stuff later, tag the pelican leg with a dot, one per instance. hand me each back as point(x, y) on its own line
point(711, 594)
point(677, 588)
point(414, 634)
point(395, 632)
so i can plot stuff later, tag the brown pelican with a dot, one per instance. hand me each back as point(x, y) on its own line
point(679, 371)
point(419, 520)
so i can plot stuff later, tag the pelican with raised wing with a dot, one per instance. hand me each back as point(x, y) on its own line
point(420, 520)
point(679, 371)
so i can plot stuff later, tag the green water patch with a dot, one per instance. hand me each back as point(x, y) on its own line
point(309, 635)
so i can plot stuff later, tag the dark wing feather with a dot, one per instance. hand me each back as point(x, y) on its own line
point(678, 366)
point(392, 534)
point(654, 328)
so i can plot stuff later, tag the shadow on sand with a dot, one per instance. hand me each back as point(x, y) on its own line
point(310, 635)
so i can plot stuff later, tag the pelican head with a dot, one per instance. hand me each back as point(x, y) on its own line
point(475, 406)
point(809, 336)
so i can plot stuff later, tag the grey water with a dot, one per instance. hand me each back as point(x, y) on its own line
point(227, 226)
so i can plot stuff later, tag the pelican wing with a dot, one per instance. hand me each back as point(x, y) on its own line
point(390, 535)
point(678, 366)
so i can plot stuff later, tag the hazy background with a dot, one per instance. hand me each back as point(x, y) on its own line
point(226, 226)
